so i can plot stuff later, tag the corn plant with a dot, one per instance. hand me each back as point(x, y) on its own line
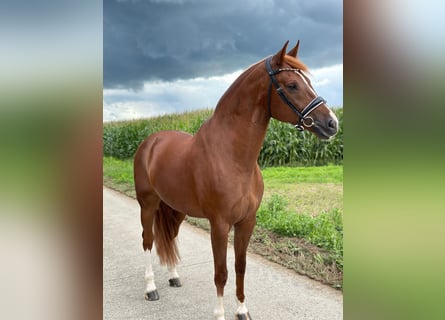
point(283, 145)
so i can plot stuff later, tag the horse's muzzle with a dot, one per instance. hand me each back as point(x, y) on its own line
point(326, 129)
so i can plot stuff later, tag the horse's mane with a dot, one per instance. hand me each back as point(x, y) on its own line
point(295, 63)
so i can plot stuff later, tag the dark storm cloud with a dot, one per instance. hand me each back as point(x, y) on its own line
point(173, 39)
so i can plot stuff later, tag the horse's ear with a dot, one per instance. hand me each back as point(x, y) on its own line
point(293, 52)
point(279, 56)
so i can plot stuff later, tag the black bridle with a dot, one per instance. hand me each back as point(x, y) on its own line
point(304, 119)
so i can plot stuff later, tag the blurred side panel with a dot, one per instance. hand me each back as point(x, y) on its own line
point(50, 153)
point(394, 159)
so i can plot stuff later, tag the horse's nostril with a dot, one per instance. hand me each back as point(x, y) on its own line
point(332, 124)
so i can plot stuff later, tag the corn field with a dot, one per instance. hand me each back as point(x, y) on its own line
point(283, 145)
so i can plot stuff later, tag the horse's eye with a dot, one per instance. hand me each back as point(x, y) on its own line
point(292, 86)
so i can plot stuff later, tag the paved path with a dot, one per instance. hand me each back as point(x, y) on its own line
point(272, 292)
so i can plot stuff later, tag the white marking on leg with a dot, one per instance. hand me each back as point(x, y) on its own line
point(149, 275)
point(218, 312)
point(173, 273)
point(242, 309)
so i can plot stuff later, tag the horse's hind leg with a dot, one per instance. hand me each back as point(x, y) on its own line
point(149, 204)
point(172, 220)
point(174, 277)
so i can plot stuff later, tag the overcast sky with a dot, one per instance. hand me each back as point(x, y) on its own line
point(164, 56)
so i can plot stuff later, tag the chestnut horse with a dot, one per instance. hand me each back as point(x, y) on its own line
point(214, 174)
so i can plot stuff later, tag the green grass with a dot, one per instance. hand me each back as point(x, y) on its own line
point(284, 175)
point(324, 230)
point(118, 174)
point(308, 190)
point(120, 171)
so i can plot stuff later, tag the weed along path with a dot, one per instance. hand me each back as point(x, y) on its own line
point(272, 292)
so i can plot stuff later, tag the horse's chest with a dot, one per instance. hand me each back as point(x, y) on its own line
point(233, 195)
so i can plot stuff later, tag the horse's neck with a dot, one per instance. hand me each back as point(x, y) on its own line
point(238, 127)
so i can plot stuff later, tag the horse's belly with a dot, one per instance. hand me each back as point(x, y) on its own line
point(174, 188)
point(181, 200)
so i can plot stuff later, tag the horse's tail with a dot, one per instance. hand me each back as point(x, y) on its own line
point(166, 227)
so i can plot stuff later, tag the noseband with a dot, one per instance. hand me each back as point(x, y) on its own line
point(304, 119)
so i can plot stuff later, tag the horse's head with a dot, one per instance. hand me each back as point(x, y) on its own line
point(296, 101)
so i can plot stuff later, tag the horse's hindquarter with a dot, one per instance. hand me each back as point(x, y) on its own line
point(167, 172)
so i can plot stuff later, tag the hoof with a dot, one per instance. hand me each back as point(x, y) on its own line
point(174, 282)
point(244, 316)
point(152, 295)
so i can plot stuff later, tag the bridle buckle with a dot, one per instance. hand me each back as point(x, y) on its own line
point(308, 121)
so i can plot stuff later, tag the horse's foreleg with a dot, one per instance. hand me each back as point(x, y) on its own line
point(243, 231)
point(219, 236)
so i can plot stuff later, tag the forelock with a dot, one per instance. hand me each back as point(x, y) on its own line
point(295, 63)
